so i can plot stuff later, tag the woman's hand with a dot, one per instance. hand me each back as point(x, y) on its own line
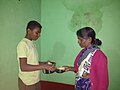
point(68, 68)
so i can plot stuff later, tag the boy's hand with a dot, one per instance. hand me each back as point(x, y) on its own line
point(49, 67)
point(52, 68)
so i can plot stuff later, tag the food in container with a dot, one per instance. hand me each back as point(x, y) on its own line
point(60, 70)
point(48, 71)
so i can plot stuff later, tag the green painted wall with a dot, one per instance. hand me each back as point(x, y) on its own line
point(61, 19)
point(14, 15)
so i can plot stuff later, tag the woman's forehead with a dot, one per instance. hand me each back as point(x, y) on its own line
point(80, 37)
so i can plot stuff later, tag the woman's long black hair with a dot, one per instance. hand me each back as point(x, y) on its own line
point(87, 32)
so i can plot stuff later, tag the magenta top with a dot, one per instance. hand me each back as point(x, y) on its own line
point(98, 70)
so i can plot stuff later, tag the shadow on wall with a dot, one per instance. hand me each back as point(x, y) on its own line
point(113, 66)
point(58, 51)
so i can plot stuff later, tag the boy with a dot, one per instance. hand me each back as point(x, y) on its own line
point(27, 56)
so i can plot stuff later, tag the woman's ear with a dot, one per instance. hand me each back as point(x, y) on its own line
point(90, 39)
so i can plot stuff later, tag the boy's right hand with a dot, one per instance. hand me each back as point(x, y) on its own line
point(50, 67)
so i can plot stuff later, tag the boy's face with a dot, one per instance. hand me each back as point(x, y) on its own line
point(34, 34)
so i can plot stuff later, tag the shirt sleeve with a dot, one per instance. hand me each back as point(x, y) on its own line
point(101, 73)
point(22, 50)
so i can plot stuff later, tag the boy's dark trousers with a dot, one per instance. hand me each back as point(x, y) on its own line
point(22, 86)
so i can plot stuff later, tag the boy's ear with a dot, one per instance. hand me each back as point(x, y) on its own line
point(29, 30)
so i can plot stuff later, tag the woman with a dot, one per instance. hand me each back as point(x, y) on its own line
point(90, 65)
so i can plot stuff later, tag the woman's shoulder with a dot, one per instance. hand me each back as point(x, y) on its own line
point(99, 54)
point(99, 58)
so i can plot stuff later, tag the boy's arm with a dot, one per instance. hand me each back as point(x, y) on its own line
point(27, 67)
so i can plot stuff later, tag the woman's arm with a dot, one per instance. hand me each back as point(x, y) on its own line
point(69, 68)
point(100, 71)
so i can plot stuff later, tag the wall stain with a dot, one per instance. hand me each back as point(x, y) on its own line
point(86, 13)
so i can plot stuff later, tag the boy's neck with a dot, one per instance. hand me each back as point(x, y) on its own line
point(28, 37)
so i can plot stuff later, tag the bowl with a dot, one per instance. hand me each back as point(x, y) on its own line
point(47, 71)
point(60, 70)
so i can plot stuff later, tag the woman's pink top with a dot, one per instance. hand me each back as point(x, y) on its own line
point(98, 70)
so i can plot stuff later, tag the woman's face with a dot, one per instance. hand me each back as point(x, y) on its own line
point(84, 43)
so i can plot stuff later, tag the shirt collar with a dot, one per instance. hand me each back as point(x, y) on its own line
point(27, 40)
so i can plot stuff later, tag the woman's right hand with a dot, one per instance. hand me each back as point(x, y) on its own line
point(68, 68)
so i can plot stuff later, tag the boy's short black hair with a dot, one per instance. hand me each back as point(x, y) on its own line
point(32, 25)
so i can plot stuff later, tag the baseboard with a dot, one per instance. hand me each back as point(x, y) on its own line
point(47, 85)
